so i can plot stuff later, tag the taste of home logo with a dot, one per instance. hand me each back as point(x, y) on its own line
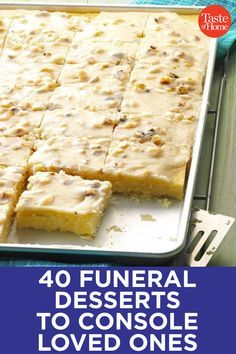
point(214, 21)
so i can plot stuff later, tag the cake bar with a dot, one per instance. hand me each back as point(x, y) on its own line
point(152, 101)
point(57, 201)
point(104, 74)
point(172, 129)
point(149, 169)
point(19, 123)
point(166, 79)
point(134, 19)
point(78, 123)
point(95, 97)
point(172, 56)
point(99, 32)
point(87, 52)
point(11, 185)
point(84, 156)
point(15, 151)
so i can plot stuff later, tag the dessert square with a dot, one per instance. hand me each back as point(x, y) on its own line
point(38, 75)
point(19, 123)
point(173, 35)
point(171, 19)
point(147, 169)
point(26, 98)
point(76, 156)
point(57, 201)
point(95, 97)
point(43, 26)
point(154, 102)
point(40, 36)
point(12, 181)
point(134, 19)
point(22, 52)
point(115, 53)
point(15, 151)
point(174, 56)
point(103, 74)
point(78, 123)
point(17, 75)
point(173, 129)
point(165, 79)
point(99, 32)
point(36, 100)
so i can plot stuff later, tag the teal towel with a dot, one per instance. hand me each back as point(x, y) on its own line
point(225, 42)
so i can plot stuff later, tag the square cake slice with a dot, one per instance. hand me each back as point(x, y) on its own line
point(171, 128)
point(166, 79)
point(115, 53)
point(105, 74)
point(147, 169)
point(100, 32)
point(95, 97)
point(134, 19)
point(15, 151)
point(153, 102)
point(173, 56)
point(57, 201)
point(76, 156)
point(19, 123)
point(11, 184)
point(78, 123)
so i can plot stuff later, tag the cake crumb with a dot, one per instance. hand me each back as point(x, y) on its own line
point(165, 202)
point(147, 217)
point(114, 228)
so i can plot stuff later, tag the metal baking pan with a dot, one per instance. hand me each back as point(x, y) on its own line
point(131, 229)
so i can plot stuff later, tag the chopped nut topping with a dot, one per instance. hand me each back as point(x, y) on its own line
point(155, 151)
point(4, 196)
point(90, 193)
point(97, 152)
point(191, 118)
point(47, 200)
point(82, 76)
point(174, 76)
point(96, 185)
point(108, 121)
point(98, 33)
point(68, 182)
point(20, 132)
point(166, 80)
point(95, 79)
point(91, 60)
point(140, 35)
point(182, 90)
point(155, 70)
point(157, 140)
point(123, 118)
point(121, 75)
point(143, 136)
point(139, 86)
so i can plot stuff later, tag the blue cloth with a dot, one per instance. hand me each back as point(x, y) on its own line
point(226, 41)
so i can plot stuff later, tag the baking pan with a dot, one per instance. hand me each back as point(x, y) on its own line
point(131, 229)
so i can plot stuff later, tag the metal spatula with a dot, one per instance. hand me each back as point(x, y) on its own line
point(207, 230)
